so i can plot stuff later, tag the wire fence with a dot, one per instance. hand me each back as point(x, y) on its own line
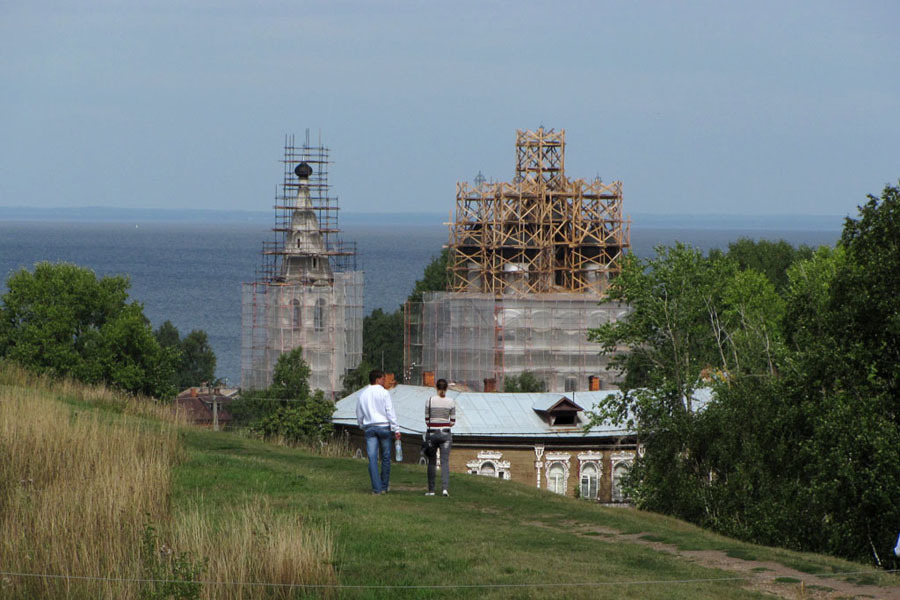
point(443, 586)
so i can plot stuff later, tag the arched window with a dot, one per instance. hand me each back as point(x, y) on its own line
point(620, 470)
point(298, 314)
point(488, 470)
point(319, 315)
point(556, 478)
point(589, 477)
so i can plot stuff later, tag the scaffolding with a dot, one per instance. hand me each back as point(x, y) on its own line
point(341, 254)
point(308, 292)
point(540, 233)
point(529, 262)
point(468, 338)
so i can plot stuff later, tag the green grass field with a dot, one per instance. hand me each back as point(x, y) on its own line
point(491, 538)
point(86, 471)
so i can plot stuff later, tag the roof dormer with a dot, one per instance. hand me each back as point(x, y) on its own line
point(562, 412)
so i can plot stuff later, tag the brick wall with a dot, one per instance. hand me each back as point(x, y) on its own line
point(521, 459)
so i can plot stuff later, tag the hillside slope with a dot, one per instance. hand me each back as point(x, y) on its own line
point(84, 516)
point(499, 539)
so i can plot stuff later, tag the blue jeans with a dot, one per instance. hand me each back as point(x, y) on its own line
point(443, 440)
point(378, 437)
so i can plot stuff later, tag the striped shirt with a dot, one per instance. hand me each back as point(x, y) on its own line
point(440, 412)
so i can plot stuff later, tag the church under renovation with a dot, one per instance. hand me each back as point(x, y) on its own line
point(529, 262)
point(308, 292)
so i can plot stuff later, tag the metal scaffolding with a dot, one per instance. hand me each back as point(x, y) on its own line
point(308, 292)
point(529, 261)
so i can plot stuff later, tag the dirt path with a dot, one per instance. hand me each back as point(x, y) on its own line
point(763, 576)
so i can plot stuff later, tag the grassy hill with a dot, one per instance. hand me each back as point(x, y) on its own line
point(244, 518)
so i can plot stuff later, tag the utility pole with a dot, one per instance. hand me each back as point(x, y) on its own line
point(215, 406)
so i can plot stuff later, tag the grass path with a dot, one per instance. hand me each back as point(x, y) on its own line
point(524, 542)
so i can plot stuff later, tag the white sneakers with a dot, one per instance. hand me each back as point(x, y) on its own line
point(445, 493)
point(429, 493)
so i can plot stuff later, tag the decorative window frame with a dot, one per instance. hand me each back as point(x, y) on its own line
point(551, 458)
point(590, 458)
point(501, 467)
point(618, 458)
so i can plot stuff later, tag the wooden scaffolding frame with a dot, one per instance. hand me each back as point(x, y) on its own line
point(540, 233)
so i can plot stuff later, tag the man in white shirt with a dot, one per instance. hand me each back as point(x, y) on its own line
point(375, 416)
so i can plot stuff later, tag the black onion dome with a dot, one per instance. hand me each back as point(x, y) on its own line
point(303, 170)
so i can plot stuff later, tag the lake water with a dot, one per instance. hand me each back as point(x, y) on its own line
point(191, 274)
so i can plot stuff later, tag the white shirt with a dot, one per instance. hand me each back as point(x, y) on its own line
point(374, 407)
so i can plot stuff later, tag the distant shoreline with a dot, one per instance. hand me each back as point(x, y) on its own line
point(99, 214)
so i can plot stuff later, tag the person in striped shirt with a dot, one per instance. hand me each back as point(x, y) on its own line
point(440, 416)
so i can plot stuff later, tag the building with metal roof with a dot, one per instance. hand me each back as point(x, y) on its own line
point(541, 439)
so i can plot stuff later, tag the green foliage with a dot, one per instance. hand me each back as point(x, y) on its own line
point(526, 382)
point(62, 320)
point(434, 278)
point(846, 376)
point(196, 359)
point(309, 420)
point(167, 335)
point(772, 259)
point(290, 377)
point(679, 324)
point(800, 443)
point(169, 575)
point(383, 331)
point(383, 341)
point(356, 379)
point(287, 409)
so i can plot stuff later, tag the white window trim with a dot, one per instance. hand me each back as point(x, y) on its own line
point(501, 467)
point(618, 458)
point(590, 458)
point(551, 458)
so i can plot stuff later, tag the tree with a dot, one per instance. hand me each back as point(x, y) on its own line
point(167, 335)
point(799, 444)
point(526, 382)
point(356, 379)
point(287, 409)
point(290, 377)
point(196, 362)
point(846, 379)
point(675, 328)
point(772, 259)
point(383, 331)
point(62, 320)
point(434, 278)
point(383, 341)
point(305, 422)
point(695, 322)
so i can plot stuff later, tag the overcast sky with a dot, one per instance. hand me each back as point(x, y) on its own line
point(698, 107)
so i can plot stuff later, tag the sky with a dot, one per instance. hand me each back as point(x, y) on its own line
point(699, 107)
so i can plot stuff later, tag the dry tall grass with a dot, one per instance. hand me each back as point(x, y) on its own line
point(335, 446)
point(78, 488)
point(263, 547)
point(99, 395)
